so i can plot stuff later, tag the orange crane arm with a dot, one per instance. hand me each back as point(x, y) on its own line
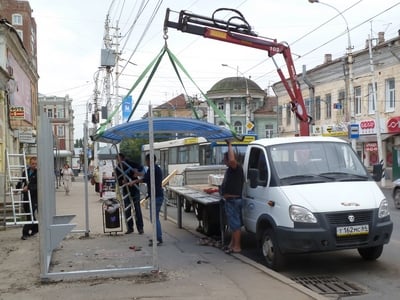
point(240, 33)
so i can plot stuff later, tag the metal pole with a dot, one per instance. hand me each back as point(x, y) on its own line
point(85, 170)
point(377, 112)
point(152, 187)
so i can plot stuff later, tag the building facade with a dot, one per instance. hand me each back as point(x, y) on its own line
point(18, 80)
point(19, 15)
point(241, 102)
point(61, 116)
point(366, 104)
point(244, 105)
point(181, 106)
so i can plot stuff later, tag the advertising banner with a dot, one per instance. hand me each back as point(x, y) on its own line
point(126, 108)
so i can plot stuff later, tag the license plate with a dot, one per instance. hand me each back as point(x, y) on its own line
point(352, 230)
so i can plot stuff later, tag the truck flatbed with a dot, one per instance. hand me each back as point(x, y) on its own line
point(206, 206)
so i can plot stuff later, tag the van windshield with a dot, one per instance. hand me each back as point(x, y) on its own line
point(310, 162)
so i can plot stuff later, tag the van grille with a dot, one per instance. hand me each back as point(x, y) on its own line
point(341, 219)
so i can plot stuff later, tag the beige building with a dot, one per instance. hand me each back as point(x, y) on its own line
point(333, 109)
point(61, 116)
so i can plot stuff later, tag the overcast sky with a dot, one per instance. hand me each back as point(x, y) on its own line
point(70, 39)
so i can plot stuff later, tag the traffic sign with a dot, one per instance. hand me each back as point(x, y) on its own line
point(249, 125)
point(354, 131)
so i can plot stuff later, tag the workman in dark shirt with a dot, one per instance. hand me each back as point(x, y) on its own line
point(231, 192)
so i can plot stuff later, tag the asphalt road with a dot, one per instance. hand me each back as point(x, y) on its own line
point(351, 275)
point(345, 272)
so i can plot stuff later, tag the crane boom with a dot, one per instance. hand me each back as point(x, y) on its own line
point(240, 33)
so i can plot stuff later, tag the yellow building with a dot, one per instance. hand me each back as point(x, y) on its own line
point(334, 106)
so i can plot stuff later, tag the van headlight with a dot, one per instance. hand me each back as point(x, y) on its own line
point(383, 209)
point(301, 214)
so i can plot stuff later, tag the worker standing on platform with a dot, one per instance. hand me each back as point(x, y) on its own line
point(231, 192)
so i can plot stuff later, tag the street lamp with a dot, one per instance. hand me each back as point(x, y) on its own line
point(248, 97)
point(349, 76)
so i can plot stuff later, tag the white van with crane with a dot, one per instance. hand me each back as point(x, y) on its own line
point(312, 194)
point(302, 194)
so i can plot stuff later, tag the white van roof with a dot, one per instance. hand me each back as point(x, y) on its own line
point(296, 139)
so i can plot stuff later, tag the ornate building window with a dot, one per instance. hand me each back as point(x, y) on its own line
point(238, 127)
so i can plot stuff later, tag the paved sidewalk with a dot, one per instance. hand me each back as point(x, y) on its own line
point(188, 270)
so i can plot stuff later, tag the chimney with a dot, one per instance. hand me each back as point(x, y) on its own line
point(327, 58)
point(381, 37)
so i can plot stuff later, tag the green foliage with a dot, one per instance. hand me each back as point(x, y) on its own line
point(132, 148)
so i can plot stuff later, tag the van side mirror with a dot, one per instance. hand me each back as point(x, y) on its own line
point(377, 172)
point(253, 177)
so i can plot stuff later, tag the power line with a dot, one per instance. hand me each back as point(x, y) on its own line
point(327, 42)
point(143, 34)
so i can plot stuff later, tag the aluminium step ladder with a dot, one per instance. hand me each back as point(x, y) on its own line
point(122, 170)
point(17, 172)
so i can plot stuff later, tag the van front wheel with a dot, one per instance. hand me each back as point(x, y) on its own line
point(371, 253)
point(270, 250)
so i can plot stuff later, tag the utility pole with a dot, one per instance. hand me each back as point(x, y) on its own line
point(377, 113)
point(111, 57)
point(97, 117)
point(117, 117)
point(107, 62)
point(349, 77)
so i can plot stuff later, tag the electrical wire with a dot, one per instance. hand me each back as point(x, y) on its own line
point(143, 34)
point(130, 30)
point(350, 29)
point(327, 42)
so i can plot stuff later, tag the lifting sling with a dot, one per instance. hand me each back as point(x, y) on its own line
point(153, 66)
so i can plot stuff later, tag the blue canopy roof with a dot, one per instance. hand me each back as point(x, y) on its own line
point(176, 127)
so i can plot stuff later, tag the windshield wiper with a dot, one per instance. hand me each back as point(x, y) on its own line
point(304, 178)
point(343, 176)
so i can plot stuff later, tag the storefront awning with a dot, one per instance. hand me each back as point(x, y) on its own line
point(368, 138)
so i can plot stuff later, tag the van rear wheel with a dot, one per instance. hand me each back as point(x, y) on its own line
point(270, 250)
point(371, 253)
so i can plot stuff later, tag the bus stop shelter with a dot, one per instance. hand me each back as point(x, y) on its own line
point(55, 227)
